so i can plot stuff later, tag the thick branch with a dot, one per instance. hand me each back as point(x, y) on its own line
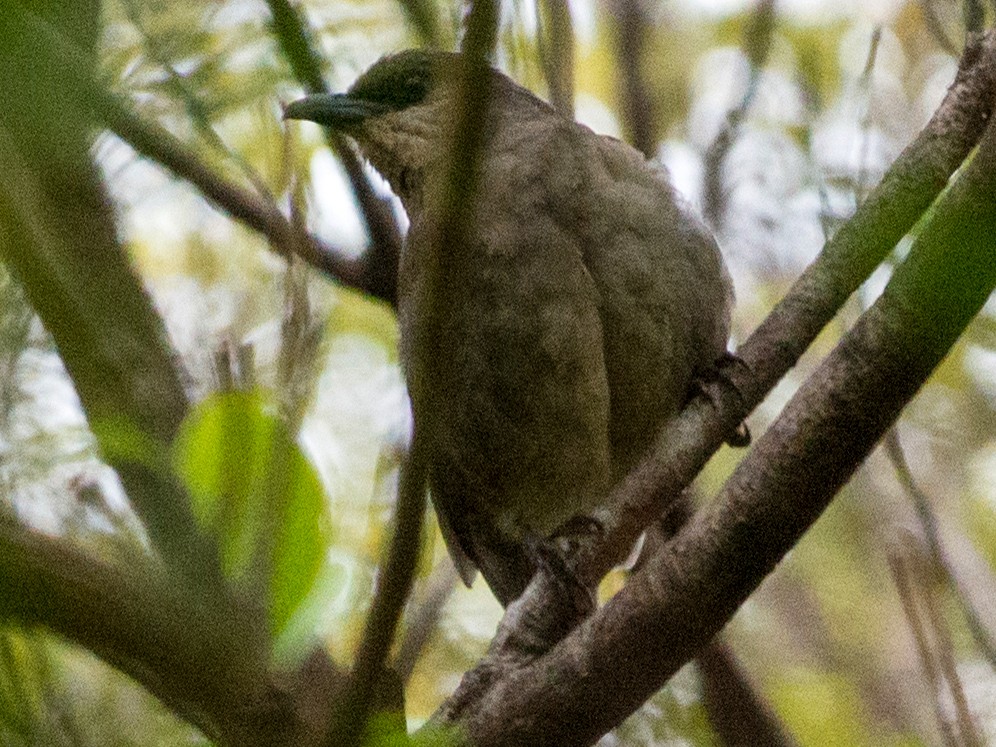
point(203, 657)
point(632, 19)
point(57, 235)
point(136, 618)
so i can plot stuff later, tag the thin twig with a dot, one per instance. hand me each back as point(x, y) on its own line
point(424, 619)
point(901, 573)
point(196, 111)
point(393, 587)
point(864, 86)
point(154, 142)
point(945, 657)
point(756, 45)
point(922, 504)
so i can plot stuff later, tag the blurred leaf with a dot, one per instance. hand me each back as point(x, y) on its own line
point(823, 709)
point(122, 440)
point(386, 729)
point(254, 490)
point(817, 49)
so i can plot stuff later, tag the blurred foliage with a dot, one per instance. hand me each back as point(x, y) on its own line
point(59, 696)
point(254, 489)
point(826, 638)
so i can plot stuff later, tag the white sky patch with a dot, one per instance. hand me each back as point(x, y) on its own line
point(684, 165)
point(334, 212)
point(981, 365)
point(593, 113)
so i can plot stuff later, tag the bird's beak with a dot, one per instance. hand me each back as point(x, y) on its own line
point(336, 110)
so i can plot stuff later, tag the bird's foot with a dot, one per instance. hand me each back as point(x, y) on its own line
point(551, 557)
point(717, 373)
point(576, 528)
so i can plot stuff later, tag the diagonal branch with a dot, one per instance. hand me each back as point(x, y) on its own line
point(139, 620)
point(204, 658)
point(157, 144)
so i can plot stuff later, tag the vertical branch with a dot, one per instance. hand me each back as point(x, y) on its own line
point(423, 618)
point(904, 588)
point(736, 712)
point(448, 237)
point(57, 235)
point(933, 646)
point(921, 503)
point(631, 40)
point(423, 17)
point(756, 46)
point(555, 39)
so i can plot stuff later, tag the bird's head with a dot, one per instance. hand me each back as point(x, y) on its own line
point(397, 112)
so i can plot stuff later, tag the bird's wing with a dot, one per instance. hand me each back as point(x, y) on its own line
point(663, 289)
point(522, 403)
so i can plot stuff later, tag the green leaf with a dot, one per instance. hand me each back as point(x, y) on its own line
point(255, 491)
point(122, 440)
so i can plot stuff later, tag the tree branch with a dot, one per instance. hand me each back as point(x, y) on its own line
point(423, 618)
point(632, 20)
point(736, 712)
point(756, 45)
point(157, 144)
point(204, 658)
point(449, 236)
point(555, 43)
point(939, 557)
point(181, 648)
point(58, 237)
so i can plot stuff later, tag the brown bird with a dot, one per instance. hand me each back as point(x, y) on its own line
point(587, 300)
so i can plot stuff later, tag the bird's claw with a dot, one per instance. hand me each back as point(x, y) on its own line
point(718, 373)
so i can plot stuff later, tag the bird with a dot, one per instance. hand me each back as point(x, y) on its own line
point(585, 301)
